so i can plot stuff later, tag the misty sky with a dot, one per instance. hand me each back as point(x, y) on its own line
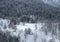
point(55, 3)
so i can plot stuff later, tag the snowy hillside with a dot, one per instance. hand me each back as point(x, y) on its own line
point(27, 32)
point(29, 20)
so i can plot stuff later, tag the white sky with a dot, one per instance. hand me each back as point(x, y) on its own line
point(55, 3)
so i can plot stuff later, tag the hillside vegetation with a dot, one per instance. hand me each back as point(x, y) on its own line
point(17, 8)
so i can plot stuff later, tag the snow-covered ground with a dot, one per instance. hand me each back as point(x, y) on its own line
point(37, 35)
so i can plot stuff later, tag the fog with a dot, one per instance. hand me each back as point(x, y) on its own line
point(55, 3)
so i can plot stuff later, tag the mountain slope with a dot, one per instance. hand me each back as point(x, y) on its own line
point(17, 8)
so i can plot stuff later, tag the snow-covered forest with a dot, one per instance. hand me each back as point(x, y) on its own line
point(29, 20)
point(29, 32)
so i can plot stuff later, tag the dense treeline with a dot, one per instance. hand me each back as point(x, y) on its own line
point(6, 37)
point(17, 8)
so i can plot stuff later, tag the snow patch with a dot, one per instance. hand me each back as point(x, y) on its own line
point(37, 34)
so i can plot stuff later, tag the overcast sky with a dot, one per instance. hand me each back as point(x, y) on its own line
point(55, 3)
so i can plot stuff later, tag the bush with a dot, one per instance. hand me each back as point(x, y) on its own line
point(27, 31)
